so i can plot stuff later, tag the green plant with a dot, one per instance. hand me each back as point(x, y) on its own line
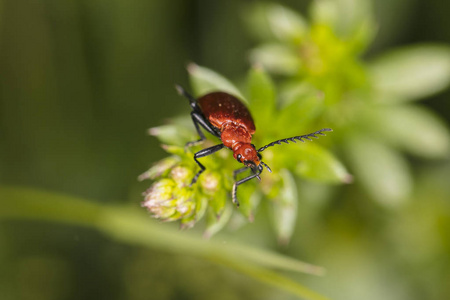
point(369, 104)
point(320, 81)
point(171, 197)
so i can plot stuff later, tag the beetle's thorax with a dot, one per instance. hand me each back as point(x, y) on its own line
point(239, 140)
point(233, 134)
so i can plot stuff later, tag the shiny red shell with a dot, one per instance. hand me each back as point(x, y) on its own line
point(220, 108)
point(235, 124)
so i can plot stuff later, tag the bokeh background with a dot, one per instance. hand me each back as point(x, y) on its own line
point(80, 83)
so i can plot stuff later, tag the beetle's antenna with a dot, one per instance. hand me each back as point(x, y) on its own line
point(267, 167)
point(293, 139)
point(183, 92)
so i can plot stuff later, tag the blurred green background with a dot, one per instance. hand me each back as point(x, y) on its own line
point(81, 82)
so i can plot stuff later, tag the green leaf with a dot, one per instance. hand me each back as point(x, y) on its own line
point(218, 202)
point(160, 168)
point(204, 80)
point(173, 134)
point(177, 150)
point(319, 164)
point(201, 207)
point(382, 171)
point(269, 21)
point(286, 24)
point(363, 36)
point(347, 17)
point(285, 208)
point(302, 105)
point(412, 128)
point(293, 91)
point(308, 160)
point(261, 94)
point(325, 12)
point(276, 58)
point(412, 73)
point(215, 224)
point(255, 17)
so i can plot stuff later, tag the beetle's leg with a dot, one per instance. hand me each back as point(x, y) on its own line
point(200, 133)
point(235, 185)
point(202, 153)
point(199, 119)
point(239, 171)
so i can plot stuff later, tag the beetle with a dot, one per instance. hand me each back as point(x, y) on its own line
point(226, 117)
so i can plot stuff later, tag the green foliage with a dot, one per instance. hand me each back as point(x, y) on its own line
point(81, 79)
point(411, 73)
point(363, 102)
point(206, 81)
point(320, 81)
point(213, 188)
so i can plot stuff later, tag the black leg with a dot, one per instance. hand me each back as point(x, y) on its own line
point(235, 185)
point(238, 171)
point(200, 133)
point(199, 119)
point(202, 153)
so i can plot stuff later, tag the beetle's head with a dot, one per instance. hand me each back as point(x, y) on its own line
point(247, 154)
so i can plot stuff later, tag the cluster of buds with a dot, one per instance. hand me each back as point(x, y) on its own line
point(171, 197)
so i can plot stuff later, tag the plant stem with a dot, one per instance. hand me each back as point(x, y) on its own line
point(129, 225)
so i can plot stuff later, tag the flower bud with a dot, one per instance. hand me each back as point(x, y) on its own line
point(166, 201)
point(159, 199)
point(181, 175)
point(210, 182)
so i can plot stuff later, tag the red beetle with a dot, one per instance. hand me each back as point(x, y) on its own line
point(227, 118)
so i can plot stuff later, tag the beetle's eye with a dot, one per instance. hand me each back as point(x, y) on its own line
point(239, 158)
